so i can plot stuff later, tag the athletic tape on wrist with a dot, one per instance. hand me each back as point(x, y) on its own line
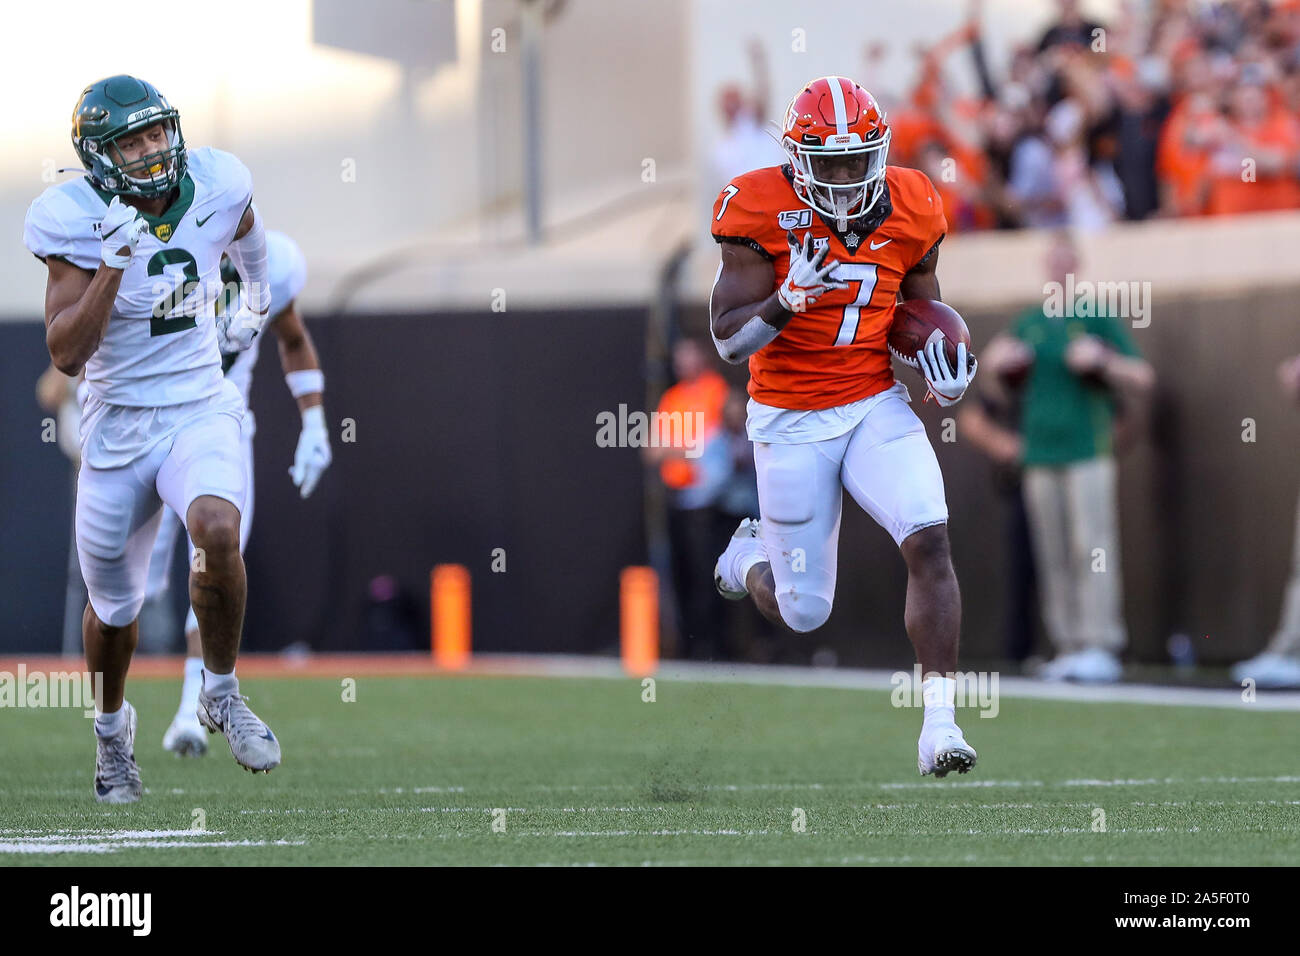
point(751, 337)
point(305, 382)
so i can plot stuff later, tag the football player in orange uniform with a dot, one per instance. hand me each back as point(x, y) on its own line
point(815, 254)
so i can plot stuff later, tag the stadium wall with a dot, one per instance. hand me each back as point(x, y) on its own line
point(473, 432)
point(476, 431)
point(1207, 501)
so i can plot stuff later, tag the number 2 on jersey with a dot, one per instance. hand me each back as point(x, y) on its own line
point(160, 324)
point(864, 273)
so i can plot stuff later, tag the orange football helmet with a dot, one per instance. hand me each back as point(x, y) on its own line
point(838, 141)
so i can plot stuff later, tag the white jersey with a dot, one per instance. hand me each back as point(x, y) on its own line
point(286, 271)
point(160, 347)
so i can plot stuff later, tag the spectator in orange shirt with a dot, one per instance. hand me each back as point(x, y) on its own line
point(1254, 162)
point(695, 463)
point(1182, 158)
point(961, 177)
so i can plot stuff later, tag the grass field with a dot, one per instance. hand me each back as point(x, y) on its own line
point(586, 772)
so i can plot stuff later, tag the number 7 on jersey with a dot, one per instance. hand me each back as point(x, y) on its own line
point(861, 272)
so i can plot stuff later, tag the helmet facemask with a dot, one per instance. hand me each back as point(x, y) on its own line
point(841, 179)
point(152, 175)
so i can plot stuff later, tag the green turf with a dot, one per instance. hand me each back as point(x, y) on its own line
point(709, 773)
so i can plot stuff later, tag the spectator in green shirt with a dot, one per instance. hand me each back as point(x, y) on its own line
point(1084, 383)
point(1278, 665)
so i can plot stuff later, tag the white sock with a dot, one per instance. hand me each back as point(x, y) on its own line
point(939, 694)
point(220, 685)
point(110, 725)
point(190, 689)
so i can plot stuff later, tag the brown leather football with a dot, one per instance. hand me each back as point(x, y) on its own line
point(916, 320)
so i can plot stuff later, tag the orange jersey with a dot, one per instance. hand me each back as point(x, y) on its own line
point(834, 353)
point(706, 396)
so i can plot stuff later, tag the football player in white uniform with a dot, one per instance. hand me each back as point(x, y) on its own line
point(287, 271)
point(133, 251)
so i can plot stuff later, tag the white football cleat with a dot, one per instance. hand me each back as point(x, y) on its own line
point(942, 749)
point(251, 741)
point(1272, 671)
point(745, 539)
point(1093, 666)
point(117, 776)
point(1096, 666)
point(1059, 667)
point(185, 737)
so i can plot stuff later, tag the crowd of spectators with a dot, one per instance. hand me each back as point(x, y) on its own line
point(1178, 108)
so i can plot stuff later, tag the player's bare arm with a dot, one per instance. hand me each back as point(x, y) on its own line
point(922, 280)
point(297, 351)
point(302, 373)
point(745, 289)
point(78, 305)
point(749, 314)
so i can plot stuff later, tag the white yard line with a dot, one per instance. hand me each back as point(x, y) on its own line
point(616, 833)
point(800, 786)
point(797, 861)
point(29, 842)
point(31, 848)
point(559, 665)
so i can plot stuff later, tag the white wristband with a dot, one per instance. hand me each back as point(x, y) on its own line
point(305, 382)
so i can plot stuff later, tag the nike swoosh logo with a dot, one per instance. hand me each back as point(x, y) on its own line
point(874, 247)
point(199, 222)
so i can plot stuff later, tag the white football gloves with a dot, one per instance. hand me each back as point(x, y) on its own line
point(236, 330)
point(119, 233)
point(313, 455)
point(809, 276)
point(946, 385)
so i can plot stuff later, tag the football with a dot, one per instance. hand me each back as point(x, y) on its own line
point(916, 321)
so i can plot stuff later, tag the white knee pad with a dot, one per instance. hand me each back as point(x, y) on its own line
point(116, 610)
point(803, 612)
